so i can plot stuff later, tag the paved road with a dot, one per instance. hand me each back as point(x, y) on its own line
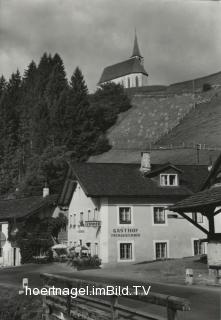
point(205, 301)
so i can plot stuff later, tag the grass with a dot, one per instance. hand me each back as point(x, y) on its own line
point(19, 307)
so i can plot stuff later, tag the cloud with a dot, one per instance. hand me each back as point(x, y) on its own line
point(178, 39)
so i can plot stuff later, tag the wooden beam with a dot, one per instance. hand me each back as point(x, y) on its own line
point(216, 212)
point(211, 224)
point(194, 223)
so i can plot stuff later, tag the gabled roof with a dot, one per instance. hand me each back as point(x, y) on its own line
point(199, 201)
point(162, 168)
point(123, 68)
point(23, 207)
point(214, 170)
point(109, 180)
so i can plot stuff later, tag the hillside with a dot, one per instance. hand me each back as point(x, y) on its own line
point(175, 155)
point(201, 126)
point(152, 116)
point(169, 121)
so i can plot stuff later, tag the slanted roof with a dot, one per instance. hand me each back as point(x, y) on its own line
point(108, 180)
point(22, 207)
point(162, 168)
point(200, 200)
point(123, 68)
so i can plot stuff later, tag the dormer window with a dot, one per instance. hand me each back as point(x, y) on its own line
point(168, 179)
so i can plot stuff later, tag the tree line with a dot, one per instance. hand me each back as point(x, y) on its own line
point(47, 121)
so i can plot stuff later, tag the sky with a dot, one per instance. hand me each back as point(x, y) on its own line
point(179, 39)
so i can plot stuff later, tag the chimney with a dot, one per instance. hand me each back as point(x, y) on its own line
point(45, 191)
point(145, 162)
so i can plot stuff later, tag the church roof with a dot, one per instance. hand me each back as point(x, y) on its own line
point(136, 50)
point(123, 68)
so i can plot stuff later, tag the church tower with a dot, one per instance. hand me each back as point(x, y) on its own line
point(129, 73)
point(136, 51)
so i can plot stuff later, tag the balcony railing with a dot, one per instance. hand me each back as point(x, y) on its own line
point(92, 223)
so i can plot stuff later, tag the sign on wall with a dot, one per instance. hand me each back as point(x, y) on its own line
point(125, 232)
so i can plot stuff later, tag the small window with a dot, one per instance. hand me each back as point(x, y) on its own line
point(159, 216)
point(0, 227)
point(81, 219)
point(197, 217)
point(1, 252)
point(125, 251)
point(128, 82)
point(198, 247)
point(161, 250)
point(125, 215)
point(168, 180)
point(137, 81)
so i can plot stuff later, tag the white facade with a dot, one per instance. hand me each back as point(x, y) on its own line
point(9, 256)
point(132, 80)
point(96, 223)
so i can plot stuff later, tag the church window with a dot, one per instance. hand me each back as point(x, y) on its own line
point(137, 81)
point(128, 82)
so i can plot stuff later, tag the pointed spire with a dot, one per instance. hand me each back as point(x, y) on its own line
point(136, 50)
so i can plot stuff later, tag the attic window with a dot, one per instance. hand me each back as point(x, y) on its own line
point(168, 180)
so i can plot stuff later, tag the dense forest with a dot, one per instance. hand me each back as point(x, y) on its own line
point(48, 121)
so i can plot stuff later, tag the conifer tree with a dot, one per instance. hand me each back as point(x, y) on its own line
point(10, 105)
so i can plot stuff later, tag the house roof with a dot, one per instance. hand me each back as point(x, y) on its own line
point(22, 207)
point(123, 68)
point(200, 200)
point(105, 179)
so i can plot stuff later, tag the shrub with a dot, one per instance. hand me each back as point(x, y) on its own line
point(207, 87)
point(86, 262)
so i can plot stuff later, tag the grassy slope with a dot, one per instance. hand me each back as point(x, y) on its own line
point(201, 125)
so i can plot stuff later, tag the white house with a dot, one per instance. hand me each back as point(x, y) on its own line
point(130, 73)
point(119, 210)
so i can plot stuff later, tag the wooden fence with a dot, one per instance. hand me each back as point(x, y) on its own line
point(88, 307)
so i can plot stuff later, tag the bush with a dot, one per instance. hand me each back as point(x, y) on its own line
point(86, 262)
point(207, 87)
point(40, 259)
point(16, 307)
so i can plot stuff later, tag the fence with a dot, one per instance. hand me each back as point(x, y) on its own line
point(88, 307)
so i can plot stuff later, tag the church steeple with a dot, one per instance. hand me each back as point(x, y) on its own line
point(136, 51)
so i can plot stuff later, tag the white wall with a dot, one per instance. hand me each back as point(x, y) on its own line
point(7, 258)
point(142, 80)
point(81, 203)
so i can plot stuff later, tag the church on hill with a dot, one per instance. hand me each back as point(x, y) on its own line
point(130, 73)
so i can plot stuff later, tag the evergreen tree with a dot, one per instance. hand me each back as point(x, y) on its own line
point(10, 105)
point(77, 112)
point(28, 101)
point(3, 85)
point(55, 97)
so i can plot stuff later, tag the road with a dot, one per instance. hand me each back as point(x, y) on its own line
point(205, 301)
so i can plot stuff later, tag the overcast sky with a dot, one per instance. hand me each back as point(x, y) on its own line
point(179, 39)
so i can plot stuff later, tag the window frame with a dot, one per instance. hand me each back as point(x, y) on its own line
point(168, 175)
point(167, 249)
point(165, 215)
point(118, 216)
point(202, 248)
point(196, 218)
point(131, 242)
